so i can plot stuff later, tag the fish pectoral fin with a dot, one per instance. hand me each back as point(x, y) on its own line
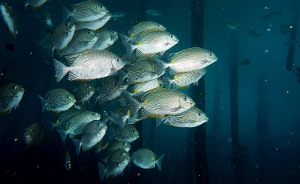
point(175, 109)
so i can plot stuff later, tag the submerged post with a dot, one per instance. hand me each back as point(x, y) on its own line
point(238, 151)
point(293, 35)
point(198, 134)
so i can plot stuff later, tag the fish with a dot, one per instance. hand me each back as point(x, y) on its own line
point(85, 11)
point(159, 102)
point(92, 64)
point(91, 135)
point(117, 15)
point(82, 40)
point(143, 70)
point(254, 33)
point(57, 100)
point(143, 87)
point(117, 161)
point(191, 118)
point(109, 90)
point(245, 62)
point(64, 117)
point(10, 96)
point(62, 35)
point(33, 4)
point(153, 13)
point(184, 79)
point(119, 145)
point(232, 25)
point(271, 15)
point(151, 42)
point(10, 19)
point(10, 47)
point(145, 26)
point(77, 124)
point(47, 20)
point(146, 159)
point(128, 134)
point(285, 29)
point(34, 135)
point(106, 38)
point(119, 116)
point(194, 58)
point(95, 24)
point(68, 163)
point(83, 93)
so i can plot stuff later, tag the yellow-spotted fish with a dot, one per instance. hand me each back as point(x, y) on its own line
point(146, 159)
point(57, 100)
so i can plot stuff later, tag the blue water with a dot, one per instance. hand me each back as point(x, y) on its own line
point(32, 68)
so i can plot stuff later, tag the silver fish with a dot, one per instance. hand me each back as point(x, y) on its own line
point(191, 118)
point(151, 42)
point(62, 35)
point(117, 161)
point(91, 135)
point(83, 93)
point(10, 96)
point(10, 19)
point(95, 24)
point(34, 134)
point(184, 79)
point(77, 124)
point(128, 134)
point(85, 11)
point(106, 38)
point(143, 26)
point(190, 59)
point(109, 90)
point(57, 100)
point(82, 40)
point(92, 64)
point(146, 159)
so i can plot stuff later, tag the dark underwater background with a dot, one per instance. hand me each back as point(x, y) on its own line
point(268, 99)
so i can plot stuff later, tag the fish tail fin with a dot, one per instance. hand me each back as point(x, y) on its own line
point(22, 6)
point(112, 133)
point(63, 134)
point(159, 121)
point(161, 65)
point(167, 82)
point(66, 13)
point(102, 170)
point(159, 162)
point(60, 70)
point(129, 47)
point(44, 103)
point(122, 77)
point(119, 120)
point(134, 104)
point(52, 125)
point(77, 144)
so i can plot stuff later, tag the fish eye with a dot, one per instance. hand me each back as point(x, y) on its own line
point(67, 23)
point(15, 87)
point(32, 131)
point(171, 36)
point(89, 32)
point(101, 6)
point(210, 54)
point(200, 114)
point(117, 59)
point(185, 98)
point(68, 97)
